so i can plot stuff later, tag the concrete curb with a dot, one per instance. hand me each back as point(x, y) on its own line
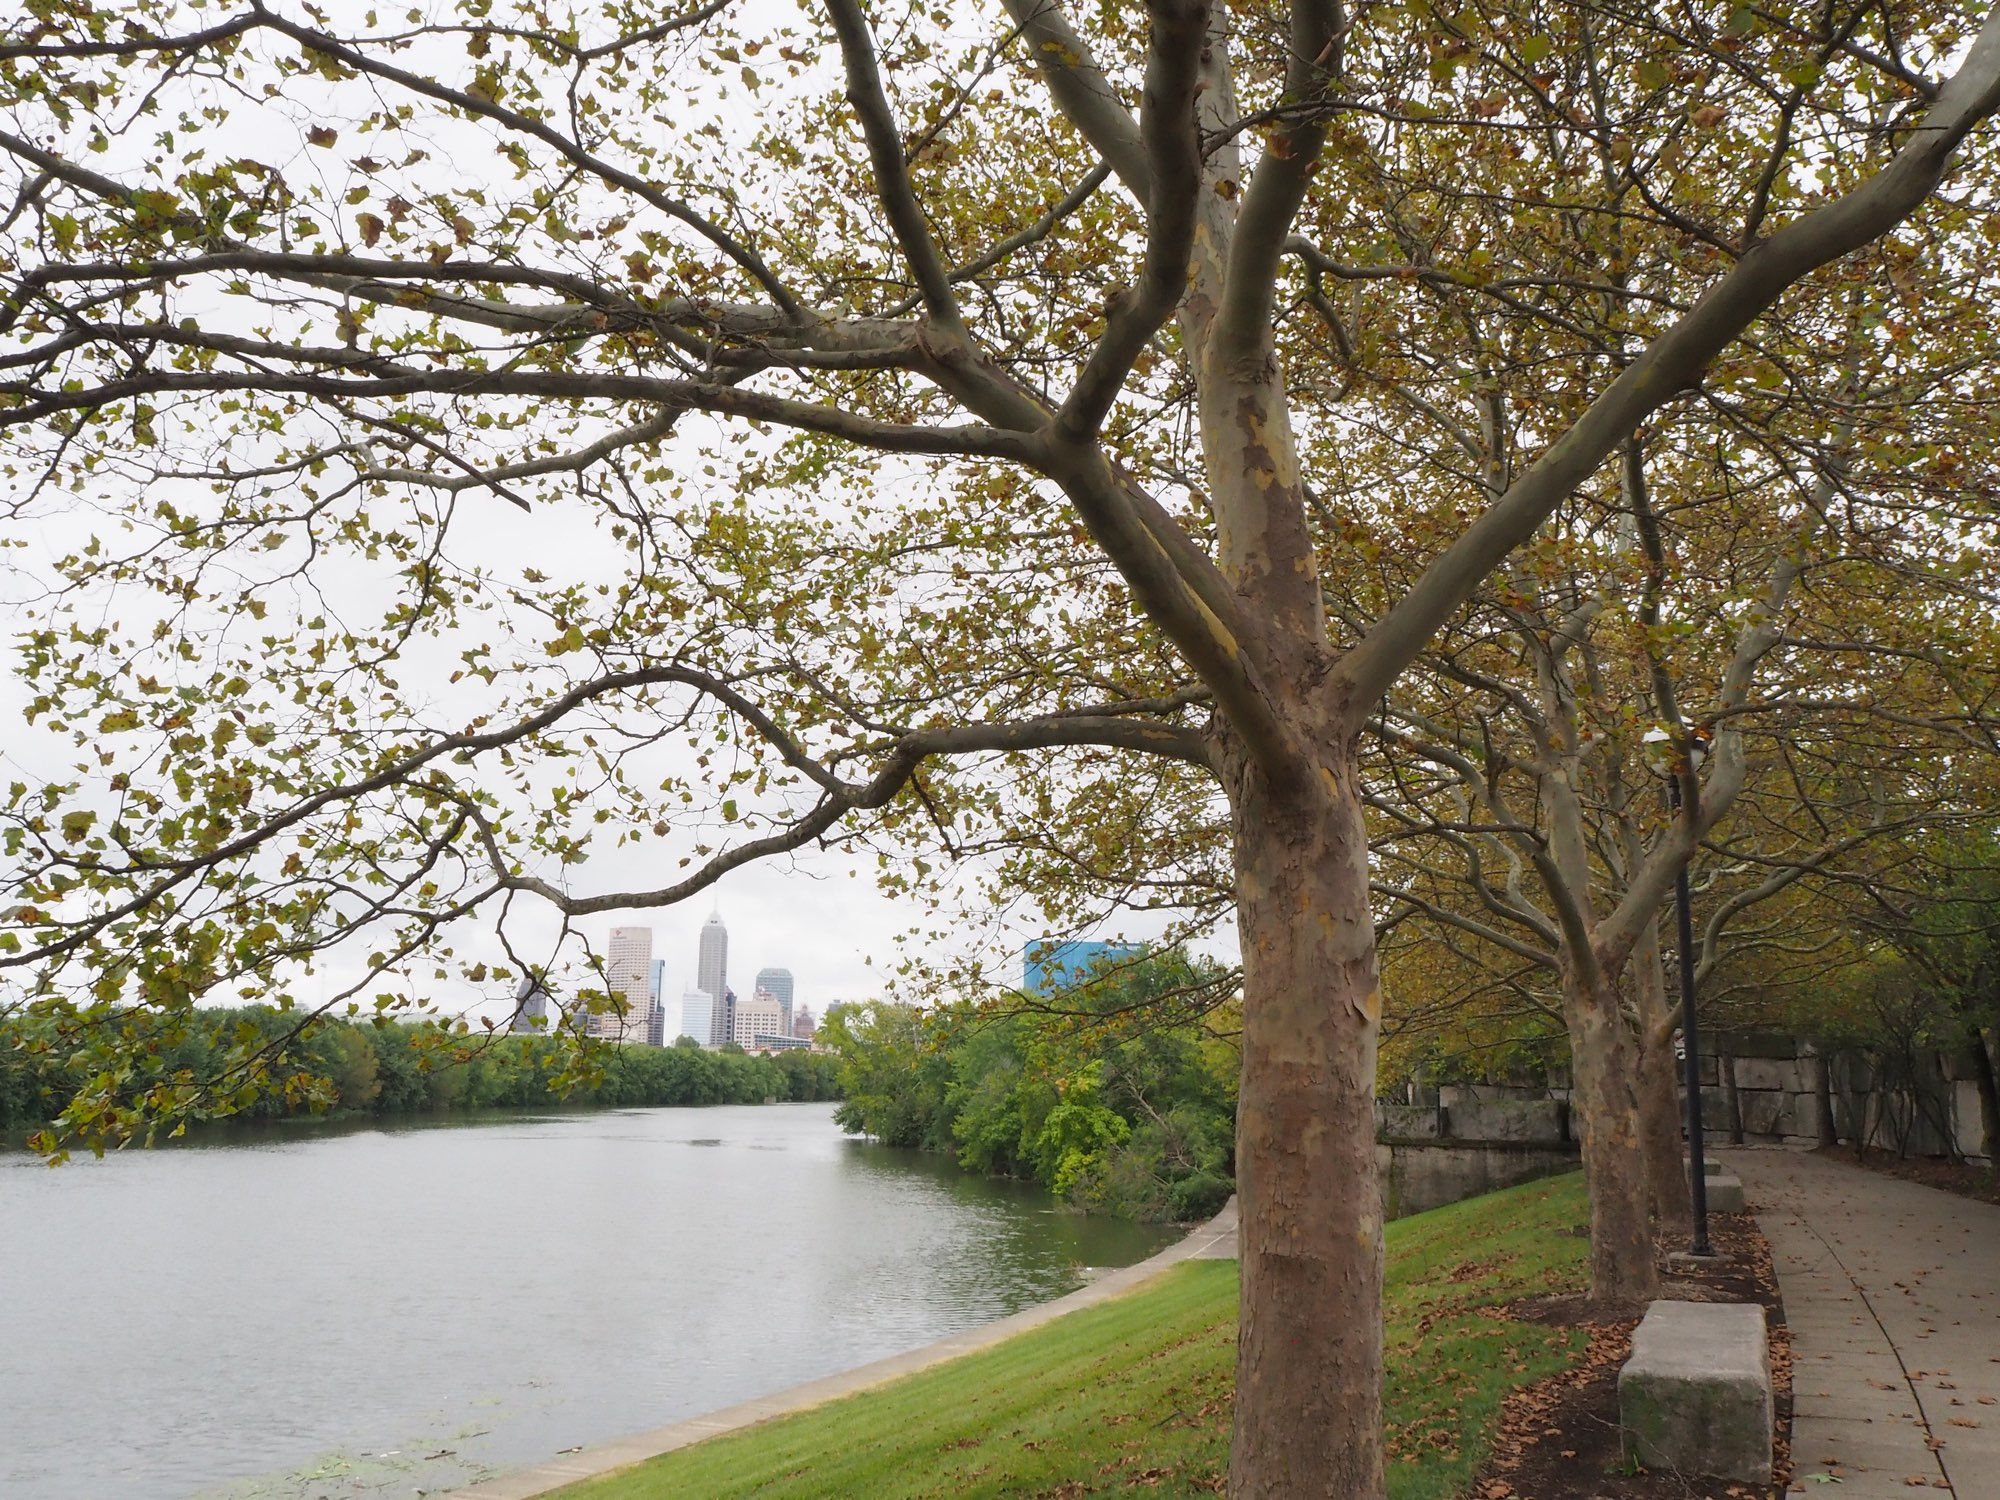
point(1215, 1240)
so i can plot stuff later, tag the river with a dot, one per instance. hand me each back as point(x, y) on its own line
point(369, 1311)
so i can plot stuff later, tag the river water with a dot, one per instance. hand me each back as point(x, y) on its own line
point(331, 1312)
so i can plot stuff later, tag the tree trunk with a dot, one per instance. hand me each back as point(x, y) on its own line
point(1988, 1088)
point(1655, 1082)
point(1827, 1125)
point(1662, 1137)
point(1725, 1066)
point(1309, 1343)
point(1614, 1165)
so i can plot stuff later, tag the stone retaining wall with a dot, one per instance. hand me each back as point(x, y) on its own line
point(1420, 1175)
point(1777, 1089)
point(1769, 1086)
point(1468, 1142)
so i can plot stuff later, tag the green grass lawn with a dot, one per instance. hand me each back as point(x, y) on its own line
point(1136, 1391)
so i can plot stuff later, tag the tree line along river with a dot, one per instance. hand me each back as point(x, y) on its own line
point(301, 1311)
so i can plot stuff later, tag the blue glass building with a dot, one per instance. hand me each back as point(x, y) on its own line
point(1050, 965)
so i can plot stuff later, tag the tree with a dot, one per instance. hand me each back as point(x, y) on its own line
point(893, 1073)
point(1516, 765)
point(308, 365)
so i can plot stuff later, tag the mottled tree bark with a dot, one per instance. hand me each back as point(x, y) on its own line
point(1309, 1346)
point(1654, 1082)
point(1614, 1162)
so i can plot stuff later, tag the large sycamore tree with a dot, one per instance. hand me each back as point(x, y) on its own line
point(950, 377)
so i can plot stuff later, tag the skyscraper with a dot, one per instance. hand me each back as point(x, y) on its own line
point(755, 1017)
point(698, 1016)
point(711, 974)
point(628, 973)
point(777, 983)
point(531, 1006)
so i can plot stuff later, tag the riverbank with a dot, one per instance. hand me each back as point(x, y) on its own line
point(477, 1296)
point(1129, 1383)
point(54, 1092)
point(1215, 1240)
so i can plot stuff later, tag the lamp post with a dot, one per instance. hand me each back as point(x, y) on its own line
point(1658, 742)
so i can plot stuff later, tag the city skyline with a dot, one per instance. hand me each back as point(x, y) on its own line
point(710, 1011)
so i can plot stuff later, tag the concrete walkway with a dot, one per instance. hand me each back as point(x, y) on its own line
point(1892, 1292)
point(1215, 1240)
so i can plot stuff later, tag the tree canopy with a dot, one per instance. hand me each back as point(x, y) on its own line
point(452, 439)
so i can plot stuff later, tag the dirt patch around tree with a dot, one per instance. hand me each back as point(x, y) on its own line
point(1558, 1438)
point(1981, 1184)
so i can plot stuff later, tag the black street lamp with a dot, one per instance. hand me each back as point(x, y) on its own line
point(1690, 1029)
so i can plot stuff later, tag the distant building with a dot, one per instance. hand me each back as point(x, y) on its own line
point(757, 1016)
point(803, 1024)
point(765, 1042)
point(712, 973)
point(659, 1031)
point(531, 1007)
point(698, 1015)
point(778, 983)
point(1049, 965)
point(628, 975)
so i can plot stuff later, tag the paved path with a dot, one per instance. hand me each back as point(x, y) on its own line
point(1215, 1240)
point(1892, 1292)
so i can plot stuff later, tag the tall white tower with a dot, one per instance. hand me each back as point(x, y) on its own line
point(628, 972)
point(712, 972)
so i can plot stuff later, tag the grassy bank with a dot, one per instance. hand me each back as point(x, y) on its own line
point(1136, 1391)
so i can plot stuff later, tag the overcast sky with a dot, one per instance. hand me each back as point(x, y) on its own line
point(818, 912)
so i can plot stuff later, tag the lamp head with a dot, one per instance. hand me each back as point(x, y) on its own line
point(1665, 755)
point(1656, 745)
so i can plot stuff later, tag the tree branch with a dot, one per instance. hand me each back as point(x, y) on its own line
point(1672, 363)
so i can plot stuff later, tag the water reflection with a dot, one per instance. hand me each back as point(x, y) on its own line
point(360, 1310)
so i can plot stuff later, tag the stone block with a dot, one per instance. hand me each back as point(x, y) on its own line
point(1854, 1071)
point(1965, 1116)
point(1695, 1396)
point(1420, 1175)
point(1756, 1044)
point(1715, 1110)
point(1725, 1194)
point(1709, 1165)
point(1764, 1111)
point(1516, 1120)
point(1768, 1073)
point(1408, 1122)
